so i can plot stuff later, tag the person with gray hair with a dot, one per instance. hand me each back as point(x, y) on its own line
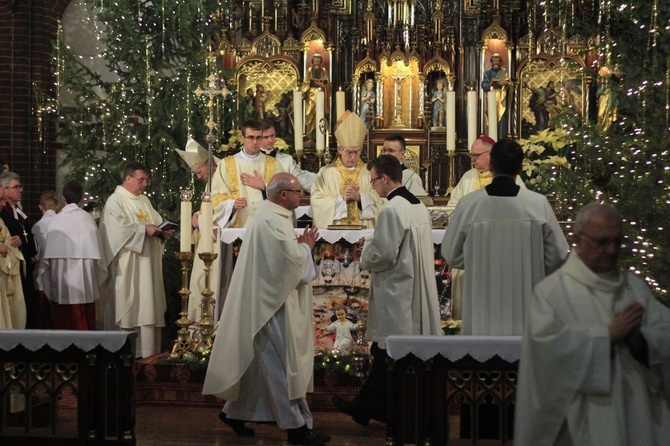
point(18, 225)
point(595, 363)
point(262, 360)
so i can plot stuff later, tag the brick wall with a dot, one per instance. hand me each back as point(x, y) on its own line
point(27, 29)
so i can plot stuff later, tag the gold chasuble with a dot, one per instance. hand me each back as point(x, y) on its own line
point(350, 176)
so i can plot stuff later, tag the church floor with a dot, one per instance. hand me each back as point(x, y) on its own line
point(186, 426)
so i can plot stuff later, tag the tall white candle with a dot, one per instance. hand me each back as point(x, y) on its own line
point(320, 112)
point(206, 226)
point(339, 103)
point(451, 121)
point(297, 120)
point(493, 114)
point(185, 227)
point(472, 117)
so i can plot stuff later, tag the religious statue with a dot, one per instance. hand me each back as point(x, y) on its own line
point(368, 99)
point(439, 102)
point(543, 102)
point(284, 108)
point(248, 105)
point(608, 97)
point(317, 77)
point(496, 78)
point(259, 102)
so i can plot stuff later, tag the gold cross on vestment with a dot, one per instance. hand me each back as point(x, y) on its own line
point(142, 216)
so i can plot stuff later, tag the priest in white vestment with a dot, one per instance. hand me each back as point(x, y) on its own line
point(197, 158)
point(240, 180)
point(395, 145)
point(305, 177)
point(341, 193)
point(263, 354)
point(12, 303)
point(403, 295)
point(507, 239)
point(72, 267)
point(133, 246)
point(595, 358)
point(474, 179)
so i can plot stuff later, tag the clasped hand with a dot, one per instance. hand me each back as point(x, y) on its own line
point(352, 193)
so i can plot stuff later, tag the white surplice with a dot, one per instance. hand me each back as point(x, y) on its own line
point(506, 245)
point(328, 203)
point(39, 229)
point(136, 296)
point(412, 181)
point(304, 177)
point(575, 387)
point(263, 354)
point(72, 266)
point(400, 257)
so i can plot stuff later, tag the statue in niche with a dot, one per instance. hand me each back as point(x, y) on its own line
point(543, 103)
point(439, 102)
point(247, 105)
point(368, 100)
point(608, 96)
point(497, 79)
point(284, 107)
point(259, 102)
point(317, 77)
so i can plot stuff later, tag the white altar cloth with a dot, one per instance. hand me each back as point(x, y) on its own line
point(481, 348)
point(229, 235)
point(59, 340)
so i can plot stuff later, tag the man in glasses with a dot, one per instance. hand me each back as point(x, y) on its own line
point(474, 179)
point(19, 228)
point(305, 177)
point(396, 146)
point(241, 178)
point(507, 239)
point(595, 364)
point(403, 296)
point(262, 359)
point(342, 193)
point(133, 246)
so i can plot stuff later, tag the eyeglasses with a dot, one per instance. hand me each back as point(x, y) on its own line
point(253, 138)
point(140, 180)
point(604, 242)
point(475, 156)
point(372, 181)
point(299, 191)
point(17, 187)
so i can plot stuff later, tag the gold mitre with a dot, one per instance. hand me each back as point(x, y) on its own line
point(195, 155)
point(350, 130)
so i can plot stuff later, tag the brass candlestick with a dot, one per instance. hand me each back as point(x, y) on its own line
point(205, 328)
point(184, 343)
point(452, 171)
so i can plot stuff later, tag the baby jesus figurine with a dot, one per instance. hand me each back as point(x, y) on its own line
point(342, 328)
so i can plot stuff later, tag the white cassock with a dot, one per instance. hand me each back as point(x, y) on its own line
point(506, 245)
point(412, 181)
point(400, 257)
point(575, 387)
point(72, 266)
point(469, 182)
point(327, 200)
point(12, 303)
point(226, 187)
point(136, 297)
point(263, 354)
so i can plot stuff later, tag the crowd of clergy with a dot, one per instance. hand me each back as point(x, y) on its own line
point(595, 353)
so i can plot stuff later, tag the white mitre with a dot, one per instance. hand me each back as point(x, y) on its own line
point(350, 130)
point(195, 155)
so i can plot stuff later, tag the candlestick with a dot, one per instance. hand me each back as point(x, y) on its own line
point(183, 344)
point(297, 120)
point(206, 224)
point(451, 121)
point(185, 222)
point(492, 114)
point(206, 324)
point(472, 117)
point(340, 103)
point(320, 114)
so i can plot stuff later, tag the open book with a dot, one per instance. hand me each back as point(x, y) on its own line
point(167, 225)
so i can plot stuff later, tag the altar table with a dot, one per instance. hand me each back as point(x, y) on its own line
point(430, 377)
point(62, 387)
